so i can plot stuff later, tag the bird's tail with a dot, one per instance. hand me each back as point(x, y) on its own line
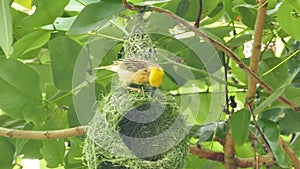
point(109, 67)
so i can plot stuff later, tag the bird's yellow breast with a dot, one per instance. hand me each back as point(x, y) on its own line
point(156, 76)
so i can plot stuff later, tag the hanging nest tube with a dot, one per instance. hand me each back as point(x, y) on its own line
point(132, 130)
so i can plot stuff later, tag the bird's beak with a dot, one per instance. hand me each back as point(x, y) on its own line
point(153, 91)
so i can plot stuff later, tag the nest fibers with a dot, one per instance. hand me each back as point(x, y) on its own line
point(132, 130)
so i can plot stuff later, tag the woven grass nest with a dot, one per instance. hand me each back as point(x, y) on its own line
point(132, 130)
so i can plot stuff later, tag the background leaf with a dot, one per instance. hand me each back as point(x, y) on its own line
point(277, 93)
point(247, 14)
point(6, 38)
point(46, 12)
point(290, 122)
point(94, 16)
point(239, 124)
point(63, 53)
point(278, 76)
point(286, 17)
point(271, 132)
point(53, 152)
point(6, 154)
point(30, 42)
point(19, 87)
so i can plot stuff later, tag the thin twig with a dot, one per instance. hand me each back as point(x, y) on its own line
point(258, 128)
point(252, 139)
point(197, 22)
point(43, 135)
point(226, 109)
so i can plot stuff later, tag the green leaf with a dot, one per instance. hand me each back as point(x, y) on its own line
point(239, 123)
point(57, 119)
point(25, 3)
point(6, 154)
point(45, 73)
point(294, 3)
point(287, 15)
point(94, 16)
point(194, 162)
point(19, 87)
point(53, 152)
point(9, 122)
point(293, 94)
point(160, 23)
point(244, 151)
point(35, 114)
point(63, 53)
point(30, 42)
point(228, 6)
point(191, 15)
point(238, 73)
point(248, 14)
point(276, 77)
point(75, 151)
point(296, 144)
point(271, 133)
point(183, 8)
point(275, 114)
point(31, 149)
point(206, 131)
point(61, 23)
point(6, 38)
point(73, 118)
point(221, 31)
point(271, 4)
point(46, 12)
point(290, 123)
point(250, 2)
point(276, 94)
point(214, 16)
point(237, 41)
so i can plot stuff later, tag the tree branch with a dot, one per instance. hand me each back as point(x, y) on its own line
point(266, 160)
point(220, 46)
point(229, 153)
point(256, 50)
point(207, 154)
point(290, 153)
point(43, 135)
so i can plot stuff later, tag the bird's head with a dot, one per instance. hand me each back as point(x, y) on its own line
point(156, 76)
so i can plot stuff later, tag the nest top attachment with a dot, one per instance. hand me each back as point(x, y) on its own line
point(139, 44)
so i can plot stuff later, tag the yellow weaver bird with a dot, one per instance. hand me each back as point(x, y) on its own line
point(137, 71)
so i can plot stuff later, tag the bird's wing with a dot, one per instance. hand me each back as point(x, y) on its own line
point(134, 65)
point(140, 77)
